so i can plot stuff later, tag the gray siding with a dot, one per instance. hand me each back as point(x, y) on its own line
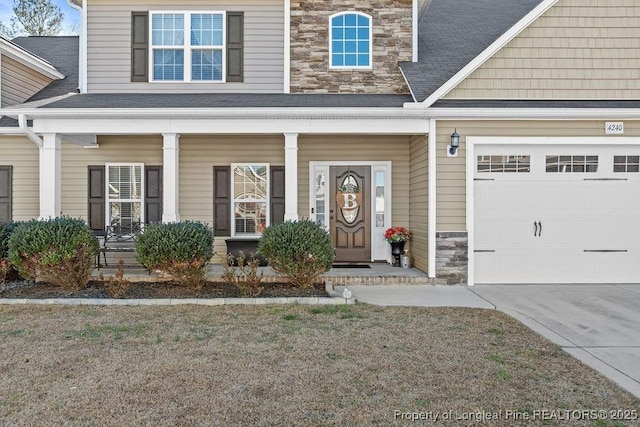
point(109, 46)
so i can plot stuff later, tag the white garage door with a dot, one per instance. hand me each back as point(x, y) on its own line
point(556, 214)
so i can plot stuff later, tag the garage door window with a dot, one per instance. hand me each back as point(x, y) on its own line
point(626, 163)
point(580, 164)
point(504, 164)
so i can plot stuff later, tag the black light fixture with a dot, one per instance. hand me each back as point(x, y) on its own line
point(452, 149)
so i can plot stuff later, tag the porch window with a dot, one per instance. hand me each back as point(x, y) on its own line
point(187, 46)
point(250, 184)
point(125, 190)
point(350, 43)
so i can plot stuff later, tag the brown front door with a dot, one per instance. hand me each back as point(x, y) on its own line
point(350, 213)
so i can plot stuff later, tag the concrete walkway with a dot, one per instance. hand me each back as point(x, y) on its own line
point(597, 324)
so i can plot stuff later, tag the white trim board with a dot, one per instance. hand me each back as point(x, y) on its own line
point(489, 51)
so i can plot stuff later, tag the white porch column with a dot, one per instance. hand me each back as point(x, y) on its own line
point(291, 176)
point(51, 176)
point(170, 177)
point(431, 199)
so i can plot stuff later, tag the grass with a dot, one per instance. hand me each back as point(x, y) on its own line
point(293, 365)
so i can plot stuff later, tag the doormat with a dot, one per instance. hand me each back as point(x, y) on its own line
point(351, 266)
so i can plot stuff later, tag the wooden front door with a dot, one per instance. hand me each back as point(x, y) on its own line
point(349, 214)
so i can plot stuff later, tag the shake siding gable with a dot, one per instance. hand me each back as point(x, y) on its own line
point(576, 50)
point(110, 47)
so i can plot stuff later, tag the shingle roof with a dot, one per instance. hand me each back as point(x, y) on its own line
point(62, 53)
point(228, 100)
point(8, 122)
point(452, 33)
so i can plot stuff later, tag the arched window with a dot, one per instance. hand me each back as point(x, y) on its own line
point(350, 44)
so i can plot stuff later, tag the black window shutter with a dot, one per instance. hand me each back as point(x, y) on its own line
point(96, 208)
point(139, 46)
point(277, 194)
point(235, 43)
point(153, 194)
point(5, 193)
point(222, 200)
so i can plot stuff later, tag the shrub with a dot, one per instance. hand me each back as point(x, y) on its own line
point(301, 250)
point(5, 232)
point(245, 276)
point(60, 251)
point(181, 249)
point(5, 265)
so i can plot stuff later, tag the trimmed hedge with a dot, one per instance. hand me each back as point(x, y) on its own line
point(60, 251)
point(182, 249)
point(301, 250)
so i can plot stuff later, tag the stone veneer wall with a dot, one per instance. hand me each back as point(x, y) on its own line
point(392, 42)
point(452, 251)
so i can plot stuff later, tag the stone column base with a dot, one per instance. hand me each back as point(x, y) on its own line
point(451, 257)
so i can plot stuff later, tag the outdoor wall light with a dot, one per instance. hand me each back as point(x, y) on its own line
point(452, 149)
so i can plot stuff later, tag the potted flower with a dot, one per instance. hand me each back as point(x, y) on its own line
point(397, 237)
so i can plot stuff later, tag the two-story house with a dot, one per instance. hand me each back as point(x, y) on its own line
point(245, 114)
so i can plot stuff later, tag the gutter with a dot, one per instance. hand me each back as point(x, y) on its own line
point(22, 124)
point(526, 113)
point(223, 113)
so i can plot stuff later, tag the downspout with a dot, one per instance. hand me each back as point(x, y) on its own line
point(22, 124)
point(82, 48)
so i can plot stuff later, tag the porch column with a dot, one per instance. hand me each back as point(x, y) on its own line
point(51, 176)
point(431, 199)
point(170, 177)
point(291, 176)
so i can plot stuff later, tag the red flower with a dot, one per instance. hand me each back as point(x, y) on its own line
point(397, 234)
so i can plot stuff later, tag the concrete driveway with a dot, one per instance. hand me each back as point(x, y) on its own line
point(598, 324)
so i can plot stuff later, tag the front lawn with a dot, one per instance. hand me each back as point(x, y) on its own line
point(289, 365)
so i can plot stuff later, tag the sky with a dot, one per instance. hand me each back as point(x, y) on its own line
point(71, 16)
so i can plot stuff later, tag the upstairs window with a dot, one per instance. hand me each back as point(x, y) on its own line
point(350, 44)
point(187, 46)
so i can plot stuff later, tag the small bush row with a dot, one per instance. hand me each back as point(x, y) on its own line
point(300, 250)
point(182, 249)
point(60, 251)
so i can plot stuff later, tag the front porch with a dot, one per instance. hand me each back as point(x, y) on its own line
point(376, 274)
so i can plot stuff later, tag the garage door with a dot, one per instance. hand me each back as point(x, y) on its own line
point(556, 214)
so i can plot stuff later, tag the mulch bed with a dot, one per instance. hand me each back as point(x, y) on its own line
point(165, 289)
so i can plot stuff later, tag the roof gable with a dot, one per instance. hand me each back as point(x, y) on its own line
point(575, 50)
point(62, 53)
point(24, 56)
point(457, 37)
